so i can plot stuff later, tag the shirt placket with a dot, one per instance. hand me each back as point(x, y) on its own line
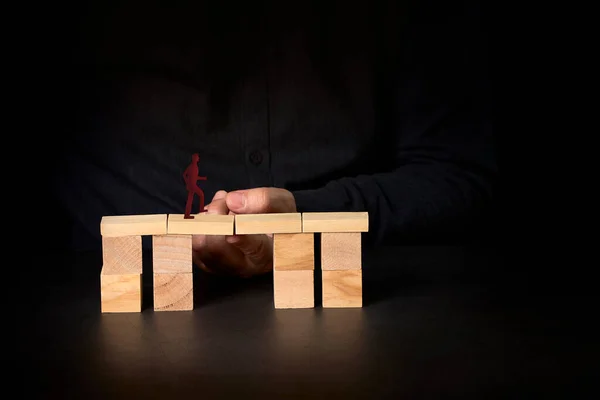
point(253, 123)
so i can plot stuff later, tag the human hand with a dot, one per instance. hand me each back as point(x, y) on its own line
point(241, 255)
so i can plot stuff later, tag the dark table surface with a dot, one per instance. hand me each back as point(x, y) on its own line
point(438, 321)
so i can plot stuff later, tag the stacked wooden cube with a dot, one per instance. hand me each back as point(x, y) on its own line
point(294, 236)
point(121, 275)
point(341, 255)
point(172, 258)
point(293, 256)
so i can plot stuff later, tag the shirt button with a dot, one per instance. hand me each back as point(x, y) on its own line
point(256, 157)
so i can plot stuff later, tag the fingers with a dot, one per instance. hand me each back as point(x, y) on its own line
point(241, 255)
point(220, 195)
point(258, 250)
point(219, 257)
point(218, 204)
point(261, 200)
point(203, 266)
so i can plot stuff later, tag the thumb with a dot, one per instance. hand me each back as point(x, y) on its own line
point(261, 200)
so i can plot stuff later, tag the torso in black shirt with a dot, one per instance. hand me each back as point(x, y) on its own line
point(285, 94)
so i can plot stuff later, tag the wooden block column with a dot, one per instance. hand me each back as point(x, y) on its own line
point(293, 256)
point(173, 262)
point(293, 270)
point(341, 255)
point(172, 272)
point(121, 274)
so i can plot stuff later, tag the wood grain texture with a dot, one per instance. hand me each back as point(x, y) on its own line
point(201, 224)
point(120, 292)
point(341, 251)
point(293, 289)
point(122, 255)
point(128, 225)
point(268, 223)
point(335, 222)
point(342, 289)
point(293, 251)
point(172, 253)
point(173, 292)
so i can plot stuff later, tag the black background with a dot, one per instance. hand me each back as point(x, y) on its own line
point(541, 313)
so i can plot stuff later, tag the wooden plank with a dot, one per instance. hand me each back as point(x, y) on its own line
point(294, 289)
point(173, 292)
point(122, 254)
point(172, 253)
point(293, 251)
point(268, 223)
point(201, 224)
point(335, 222)
point(341, 251)
point(128, 225)
point(120, 293)
point(342, 289)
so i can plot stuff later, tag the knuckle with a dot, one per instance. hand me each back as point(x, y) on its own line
point(220, 194)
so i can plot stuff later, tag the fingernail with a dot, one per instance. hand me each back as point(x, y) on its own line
point(236, 200)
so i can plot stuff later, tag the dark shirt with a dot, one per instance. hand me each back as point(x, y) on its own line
point(382, 107)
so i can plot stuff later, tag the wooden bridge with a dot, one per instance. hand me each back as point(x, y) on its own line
point(293, 257)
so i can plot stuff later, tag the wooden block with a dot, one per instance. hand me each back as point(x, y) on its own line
point(341, 251)
point(335, 222)
point(294, 289)
point(122, 254)
point(120, 292)
point(173, 292)
point(128, 225)
point(201, 224)
point(293, 251)
point(171, 253)
point(268, 223)
point(342, 289)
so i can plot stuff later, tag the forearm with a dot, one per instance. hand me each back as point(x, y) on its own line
point(441, 182)
point(414, 201)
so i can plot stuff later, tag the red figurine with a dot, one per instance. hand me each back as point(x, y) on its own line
point(190, 175)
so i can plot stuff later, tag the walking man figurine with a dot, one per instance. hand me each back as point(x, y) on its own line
point(190, 176)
